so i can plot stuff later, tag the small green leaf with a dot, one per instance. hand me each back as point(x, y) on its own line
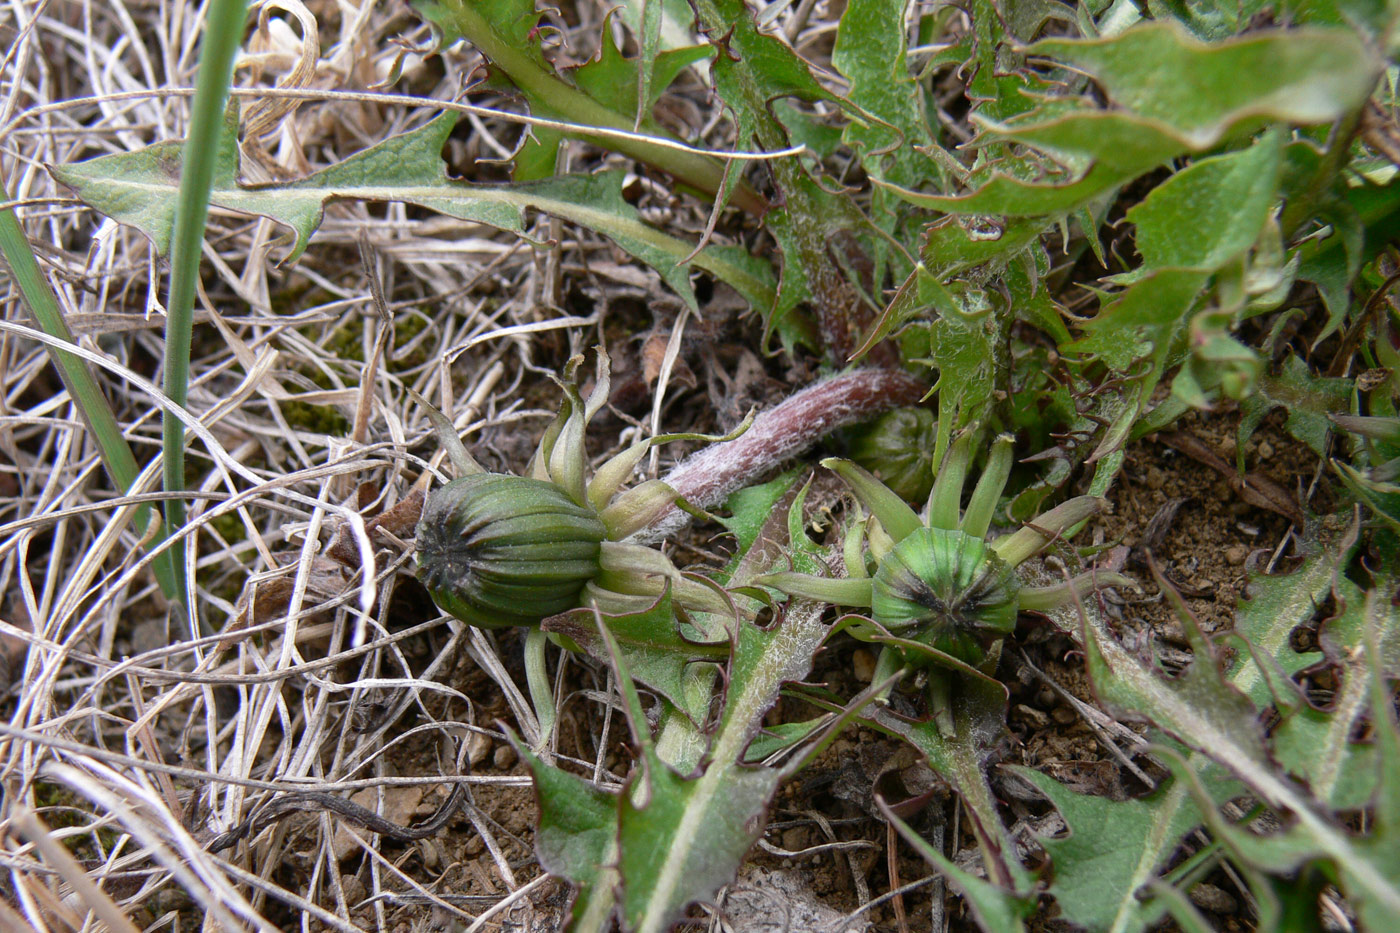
point(575, 837)
point(687, 838)
point(1214, 91)
point(1306, 398)
point(1156, 70)
point(764, 660)
point(1318, 745)
point(652, 643)
point(959, 243)
point(870, 44)
point(1274, 608)
point(967, 350)
point(999, 191)
point(1202, 219)
point(1149, 319)
point(513, 22)
point(954, 245)
point(1210, 212)
point(758, 519)
point(611, 80)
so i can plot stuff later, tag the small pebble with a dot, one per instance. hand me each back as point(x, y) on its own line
point(1266, 450)
point(863, 665)
point(477, 747)
point(1034, 717)
point(354, 889)
point(1063, 715)
point(795, 839)
point(1236, 554)
point(1209, 897)
point(504, 757)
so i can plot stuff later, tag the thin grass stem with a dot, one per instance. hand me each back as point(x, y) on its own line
point(223, 32)
point(39, 297)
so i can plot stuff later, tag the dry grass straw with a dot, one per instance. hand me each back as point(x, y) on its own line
point(137, 734)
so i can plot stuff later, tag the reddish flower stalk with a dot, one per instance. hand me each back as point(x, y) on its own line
point(705, 478)
point(779, 434)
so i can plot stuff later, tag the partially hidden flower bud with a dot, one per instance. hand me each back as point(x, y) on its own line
point(898, 448)
point(497, 550)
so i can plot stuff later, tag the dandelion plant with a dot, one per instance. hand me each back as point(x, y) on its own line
point(940, 587)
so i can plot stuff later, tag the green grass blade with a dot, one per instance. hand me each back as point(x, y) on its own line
point(222, 33)
point(112, 447)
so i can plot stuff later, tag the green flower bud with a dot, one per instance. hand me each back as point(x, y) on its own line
point(945, 589)
point(898, 448)
point(497, 550)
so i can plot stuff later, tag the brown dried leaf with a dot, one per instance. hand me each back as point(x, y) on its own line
point(1259, 491)
point(399, 520)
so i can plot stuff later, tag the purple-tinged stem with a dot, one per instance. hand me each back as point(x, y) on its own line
point(779, 434)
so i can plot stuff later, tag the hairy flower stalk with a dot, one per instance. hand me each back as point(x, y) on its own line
point(777, 435)
point(939, 586)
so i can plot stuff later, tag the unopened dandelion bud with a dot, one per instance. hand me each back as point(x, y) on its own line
point(497, 550)
point(945, 589)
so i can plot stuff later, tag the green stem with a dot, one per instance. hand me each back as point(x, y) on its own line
point(117, 458)
point(1299, 209)
point(977, 519)
point(887, 664)
point(541, 694)
point(223, 31)
point(546, 91)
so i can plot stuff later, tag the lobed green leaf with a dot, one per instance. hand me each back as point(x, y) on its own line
point(139, 189)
